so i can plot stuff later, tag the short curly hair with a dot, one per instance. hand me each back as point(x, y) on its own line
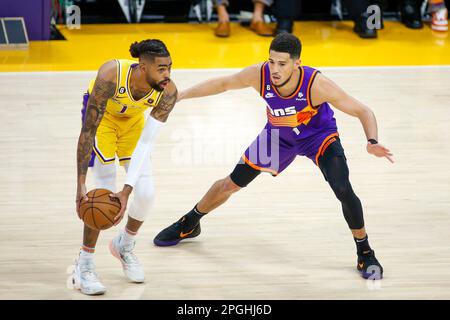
point(286, 42)
point(149, 48)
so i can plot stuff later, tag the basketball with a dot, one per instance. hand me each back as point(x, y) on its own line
point(99, 211)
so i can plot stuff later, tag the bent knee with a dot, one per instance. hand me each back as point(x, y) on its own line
point(144, 191)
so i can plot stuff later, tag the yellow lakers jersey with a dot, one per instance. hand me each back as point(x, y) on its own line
point(122, 103)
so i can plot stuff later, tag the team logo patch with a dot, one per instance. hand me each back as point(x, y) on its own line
point(269, 95)
point(122, 90)
point(300, 97)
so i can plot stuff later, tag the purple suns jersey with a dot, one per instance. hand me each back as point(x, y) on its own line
point(295, 116)
point(294, 126)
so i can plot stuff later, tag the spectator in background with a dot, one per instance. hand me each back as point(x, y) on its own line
point(257, 24)
point(439, 15)
point(410, 13)
point(285, 12)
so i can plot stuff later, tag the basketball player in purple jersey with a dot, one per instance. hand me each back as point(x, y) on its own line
point(300, 122)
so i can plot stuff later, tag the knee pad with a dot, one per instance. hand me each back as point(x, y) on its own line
point(144, 195)
point(243, 174)
point(342, 190)
point(104, 175)
point(351, 205)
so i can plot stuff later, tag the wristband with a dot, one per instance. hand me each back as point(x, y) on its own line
point(372, 141)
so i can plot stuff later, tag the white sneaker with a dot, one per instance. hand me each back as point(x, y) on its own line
point(130, 264)
point(84, 278)
point(439, 20)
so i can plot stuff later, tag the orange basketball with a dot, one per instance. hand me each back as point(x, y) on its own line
point(99, 211)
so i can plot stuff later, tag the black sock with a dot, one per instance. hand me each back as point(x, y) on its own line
point(362, 245)
point(192, 218)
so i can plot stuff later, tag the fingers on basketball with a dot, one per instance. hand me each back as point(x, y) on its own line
point(99, 211)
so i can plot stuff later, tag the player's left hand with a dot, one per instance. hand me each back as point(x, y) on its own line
point(379, 150)
point(122, 196)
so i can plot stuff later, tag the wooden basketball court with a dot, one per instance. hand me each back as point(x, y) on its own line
point(280, 238)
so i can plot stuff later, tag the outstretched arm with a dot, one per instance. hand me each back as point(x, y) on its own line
point(248, 77)
point(104, 88)
point(144, 146)
point(325, 90)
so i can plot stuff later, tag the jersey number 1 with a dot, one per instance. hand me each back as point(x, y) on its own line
point(124, 109)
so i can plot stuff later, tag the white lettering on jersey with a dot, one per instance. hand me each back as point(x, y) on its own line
point(282, 112)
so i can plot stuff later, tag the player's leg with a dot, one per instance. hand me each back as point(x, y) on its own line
point(218, 194)
point(84, 274)
point(221, 190)
point(267, 153)
point(123, 244)
point(333, 164)
point(103, 170)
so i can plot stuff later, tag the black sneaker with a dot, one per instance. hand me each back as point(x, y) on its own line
point(369, 267)
point(410, 14)
point(361, 28)
point(173, 234)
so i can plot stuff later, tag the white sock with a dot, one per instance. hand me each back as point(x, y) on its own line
point(85, 255)
point(128, 238)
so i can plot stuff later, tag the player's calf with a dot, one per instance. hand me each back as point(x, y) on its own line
point(188, 226)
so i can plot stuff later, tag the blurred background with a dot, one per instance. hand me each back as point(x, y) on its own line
point(81, 34)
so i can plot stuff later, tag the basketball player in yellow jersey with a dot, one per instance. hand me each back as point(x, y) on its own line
point(114, 124)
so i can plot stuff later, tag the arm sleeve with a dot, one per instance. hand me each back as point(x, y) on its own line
point(143, 149)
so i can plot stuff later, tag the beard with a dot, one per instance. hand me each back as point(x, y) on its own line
point(156, 85)
point(287, 80)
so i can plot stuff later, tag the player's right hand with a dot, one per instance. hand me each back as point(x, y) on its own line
point(122, 196)
point(379, 150)
point(81, 196)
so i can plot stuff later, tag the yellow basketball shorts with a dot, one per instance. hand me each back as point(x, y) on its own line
point(116, 136)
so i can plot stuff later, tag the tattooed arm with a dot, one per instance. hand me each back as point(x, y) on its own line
point(143, 148)
point(104, 88)
point(162, 110)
